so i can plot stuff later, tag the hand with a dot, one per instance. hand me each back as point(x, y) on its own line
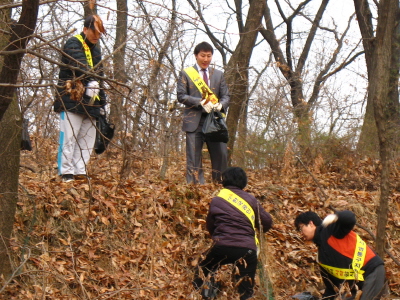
point(92, 88)
point(329, 219)
point(218, 106)
point(207, 106)
point(102, 111)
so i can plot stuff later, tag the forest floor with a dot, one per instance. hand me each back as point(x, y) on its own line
point(141, 238)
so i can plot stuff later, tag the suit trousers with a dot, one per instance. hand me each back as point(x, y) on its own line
point(77, 137)
point(194, 159)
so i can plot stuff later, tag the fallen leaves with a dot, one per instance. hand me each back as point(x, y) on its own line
point(142, 238)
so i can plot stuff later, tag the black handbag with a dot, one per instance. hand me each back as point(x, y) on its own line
point(104, 134)
point(214, 128)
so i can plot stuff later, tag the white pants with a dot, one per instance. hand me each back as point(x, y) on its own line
point(77, 137)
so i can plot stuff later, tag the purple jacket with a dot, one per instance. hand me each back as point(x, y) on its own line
point(228, 226)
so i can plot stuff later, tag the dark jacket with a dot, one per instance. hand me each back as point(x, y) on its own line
point(228, 226)
point(336, 245)
point(75, 53)
point(189, 95)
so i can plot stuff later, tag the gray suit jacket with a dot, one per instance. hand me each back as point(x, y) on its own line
point(189, 95)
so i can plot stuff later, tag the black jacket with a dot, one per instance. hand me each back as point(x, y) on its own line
point(228, 226)
point(74, 52)
point(336, 245)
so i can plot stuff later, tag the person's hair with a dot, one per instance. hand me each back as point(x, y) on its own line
point(234, 176)
point(203, 46)
point(94, 22)
point(305, 218)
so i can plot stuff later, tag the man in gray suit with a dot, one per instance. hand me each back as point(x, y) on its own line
point(195, 112)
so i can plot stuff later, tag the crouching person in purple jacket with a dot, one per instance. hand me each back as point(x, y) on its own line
point(232, 221)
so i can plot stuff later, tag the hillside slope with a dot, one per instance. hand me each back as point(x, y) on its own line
point(141, 238)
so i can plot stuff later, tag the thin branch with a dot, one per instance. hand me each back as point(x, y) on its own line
point(16, 271)
point(14, 5)
point(322, 75)
point(310, 38)
point(217, 43)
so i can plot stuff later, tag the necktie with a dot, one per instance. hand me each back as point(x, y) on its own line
point(205, 77)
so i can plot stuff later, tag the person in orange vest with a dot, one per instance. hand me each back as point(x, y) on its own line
point(342, 255)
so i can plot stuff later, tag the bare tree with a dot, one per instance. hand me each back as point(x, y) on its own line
point(15, 42)
point(119, 62)
point(368, 142)
point(18, 39)
point(237, 74)
point(385, 67)
point(294, 73)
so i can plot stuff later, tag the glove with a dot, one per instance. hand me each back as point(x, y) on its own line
point(92, 88)
point(207, 106)
point(218, 106)
point(329, 219)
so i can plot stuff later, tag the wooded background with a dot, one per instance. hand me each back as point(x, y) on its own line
point(307, 84)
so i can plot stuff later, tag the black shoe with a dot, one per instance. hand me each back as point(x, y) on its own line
point(82, 177)
point(67, 177)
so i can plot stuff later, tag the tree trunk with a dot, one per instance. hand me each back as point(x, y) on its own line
point(301, 111)
point(368, 142)
point(89, 8)
point(383, 89)
point(116, 112)
point(10, 124)
point(10, 131)
point(237, 74)
point(20, 34)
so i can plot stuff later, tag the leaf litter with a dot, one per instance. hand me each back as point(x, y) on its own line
point(142, 238)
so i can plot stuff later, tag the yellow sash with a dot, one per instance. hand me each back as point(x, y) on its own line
point(203, 88)
point(241, 205)
point(358, 261)
point(89, 61)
